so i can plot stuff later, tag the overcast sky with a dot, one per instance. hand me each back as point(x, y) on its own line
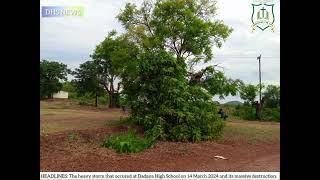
point(72, 39)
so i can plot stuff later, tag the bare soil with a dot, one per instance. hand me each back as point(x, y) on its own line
point(71, 141)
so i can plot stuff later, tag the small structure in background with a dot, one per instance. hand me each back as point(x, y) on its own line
point(60, 95)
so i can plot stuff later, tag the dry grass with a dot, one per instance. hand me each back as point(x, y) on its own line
point(55, 118)
point(251, 131)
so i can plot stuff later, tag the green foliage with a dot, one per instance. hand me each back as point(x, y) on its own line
point(51, 75)
point(127, 143)
point(122, 99)
point(155, 133)
point(272, 96)
point(72, 137)
point(88, 99)
point(245, 112)
point(216, 83)
point(72, 95)
point(98, 77)
point(249, 93)
point(103, 99)
point(86, 79)
point(68, 87)
point(159, 96)
point(248, 113)
point(110, 59)
point(271, 114)
point(168, 34)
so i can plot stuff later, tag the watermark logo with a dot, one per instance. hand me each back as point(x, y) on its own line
point(263, 15)
point(62, 11)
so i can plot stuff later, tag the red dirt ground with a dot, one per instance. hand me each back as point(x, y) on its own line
point(72, 140)
point(60, 153)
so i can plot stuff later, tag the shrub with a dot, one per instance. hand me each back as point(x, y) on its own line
point(127, 143)
point(156, 132)
point(271, 114)
point(72, 95)
point(179, 133)
point(249, 113)
point(103, 100)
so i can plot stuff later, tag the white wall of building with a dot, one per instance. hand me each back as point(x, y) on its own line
point(61, 95)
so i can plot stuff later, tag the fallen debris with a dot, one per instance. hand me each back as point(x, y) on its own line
point(220, 157)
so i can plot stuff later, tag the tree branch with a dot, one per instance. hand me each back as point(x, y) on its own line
point(105, 86)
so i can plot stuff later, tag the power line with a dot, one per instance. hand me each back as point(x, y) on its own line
point(243, 57)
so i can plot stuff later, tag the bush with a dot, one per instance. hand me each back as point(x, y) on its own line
point(103, 100)
point(127, 143)
point(72, 95)
point(249, 113)
point(84, 103)
point(89, 100)
point(271, 114)
point(155, 133)
point(162, 99)
point(179, 133)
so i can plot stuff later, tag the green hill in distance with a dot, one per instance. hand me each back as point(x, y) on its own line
point(234, 103)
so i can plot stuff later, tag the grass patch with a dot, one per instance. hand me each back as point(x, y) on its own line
point(58, 107)
point(50, 111)
point(52, 128)
point(250, 133)
point(121, 122)
point(72, 137)
point(127, 143)
point(248, 113)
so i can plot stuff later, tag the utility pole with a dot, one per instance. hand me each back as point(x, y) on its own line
point(96, 102)
point(259, 58)
point(258, 108)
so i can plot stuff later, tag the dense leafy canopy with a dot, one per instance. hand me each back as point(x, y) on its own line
point(272, 96)
point(249, 93)
point(101, 74)
point(51, 76)
point(86, 79)
point(166, 95)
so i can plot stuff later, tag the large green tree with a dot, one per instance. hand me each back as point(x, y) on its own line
point(166, 94)
point(87, 80)
point(109, 61)
point(51, 76)
point(272, 96)
point(189, 30)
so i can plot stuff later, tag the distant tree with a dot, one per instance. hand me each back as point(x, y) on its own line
point(249, 93)
point(68, 86)
point(51, 76)
point(110, 58)
point(216, 83)
point(272, 96)
point(87, 80)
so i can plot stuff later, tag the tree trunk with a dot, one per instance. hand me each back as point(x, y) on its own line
point(259, 109)
point(258, 112)
point(113, 100)
point(96, 103)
